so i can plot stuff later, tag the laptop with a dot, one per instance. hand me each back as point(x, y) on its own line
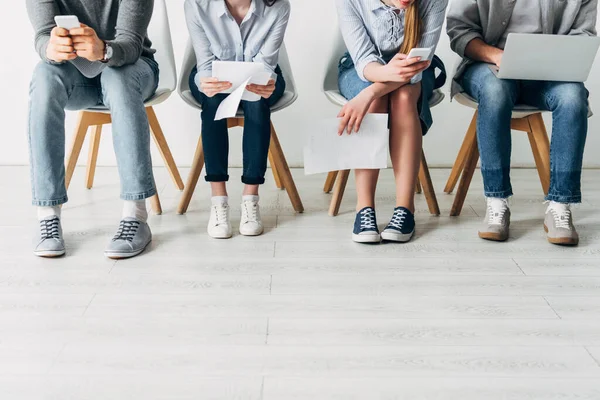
point(547, 57)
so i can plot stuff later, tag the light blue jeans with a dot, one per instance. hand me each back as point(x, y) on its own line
point(497, 97)
point(56, 88)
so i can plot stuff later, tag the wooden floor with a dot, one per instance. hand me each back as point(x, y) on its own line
point(301, 312)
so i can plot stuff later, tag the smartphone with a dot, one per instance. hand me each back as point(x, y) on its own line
point(67, 22)
point(424, 53)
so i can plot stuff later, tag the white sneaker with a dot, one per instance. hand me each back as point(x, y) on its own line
point(251, 223)
point(219, 226)
point(496, 224)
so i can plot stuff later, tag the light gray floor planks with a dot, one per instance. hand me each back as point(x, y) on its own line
point(300, 312)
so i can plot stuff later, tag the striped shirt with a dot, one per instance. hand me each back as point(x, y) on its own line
point(374, 31)
point(216, 35)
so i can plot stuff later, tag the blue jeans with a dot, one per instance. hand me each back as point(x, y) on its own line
point(56, 88)
point(497, 97)
point(256, 139)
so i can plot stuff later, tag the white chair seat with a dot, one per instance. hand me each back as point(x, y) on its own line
point(286, 100)
point(335, 97)
point(520, 110)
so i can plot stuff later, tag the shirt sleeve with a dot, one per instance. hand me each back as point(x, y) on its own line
point(463, 24)
point(269, 52)
point(585, 22)
point(359, 44)
point(433, 20)
point(200, 42)
point(132, 25)
point(41, 14)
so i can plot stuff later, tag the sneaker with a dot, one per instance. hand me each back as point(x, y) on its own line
point(219, 226)
point(401, 228)
point(131, 239)
point(365, 227)
point(49, 240)
point(497, 220)
point(251, 223)
point(558, 224)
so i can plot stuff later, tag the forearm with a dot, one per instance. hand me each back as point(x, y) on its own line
point(478, 50)
point(375, 72)
point(380, 89)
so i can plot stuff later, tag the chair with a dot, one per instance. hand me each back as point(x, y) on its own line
point(279, 165)
point(159, 31)
point(525, 119)
point(339, 179)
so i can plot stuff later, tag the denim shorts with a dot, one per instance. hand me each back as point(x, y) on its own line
point(351, 85)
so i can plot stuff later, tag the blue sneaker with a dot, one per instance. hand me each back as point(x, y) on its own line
point(365, 227)
point(401, 228)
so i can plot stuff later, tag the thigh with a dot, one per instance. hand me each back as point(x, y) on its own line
point(349, 82)
point(481, 83)
point(280, 86)
point(141, 77)
point(546, 95)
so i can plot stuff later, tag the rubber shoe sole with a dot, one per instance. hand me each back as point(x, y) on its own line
point(389, 236)
point(494, 237)
point(50, 254)
point(366, 238)
point(119, 255)
point(562, 241)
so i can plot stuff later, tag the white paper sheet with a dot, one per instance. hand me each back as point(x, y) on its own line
point(237, 72)
point(229, 107)
point(325, 151)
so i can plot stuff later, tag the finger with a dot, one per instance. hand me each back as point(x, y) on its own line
point(63, 41)
point(64, 49)
point(81, 39)
point(411, 61)
point(60, 32)
point(400, 56)
point(357, 124)
point(271, 82)
point(343, 124)
point(209, 79)
point(350, 124)
point(81, 32)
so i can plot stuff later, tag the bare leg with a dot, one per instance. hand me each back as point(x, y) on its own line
point(218, 188)
point(366, 179)
point(251, 190)
point(406, 143)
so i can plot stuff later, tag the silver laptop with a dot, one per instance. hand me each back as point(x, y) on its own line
point(548, 57)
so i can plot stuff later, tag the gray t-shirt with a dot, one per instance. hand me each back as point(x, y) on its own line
point(121, 23)
point(526, 18)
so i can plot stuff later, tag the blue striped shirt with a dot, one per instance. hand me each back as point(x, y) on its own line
point(216, 35)
point(374, 31)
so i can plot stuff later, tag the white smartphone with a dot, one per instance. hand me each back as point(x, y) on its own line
point(67, 22)
point(424, 53)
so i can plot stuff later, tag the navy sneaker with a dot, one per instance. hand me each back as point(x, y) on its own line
point(401, 228)
point(365, 227)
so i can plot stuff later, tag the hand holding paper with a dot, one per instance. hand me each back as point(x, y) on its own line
point(229, 107)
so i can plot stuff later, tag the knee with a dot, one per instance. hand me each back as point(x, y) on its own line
point(572, 97)
point(495, 93)
point(256, 110)
point(405, 98)
point(210, 105)
point(120, 84)
point(49, 80)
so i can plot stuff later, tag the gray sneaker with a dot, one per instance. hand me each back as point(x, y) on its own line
point(558, 224)
point(49, 240)
point(497, 220)
point(131, 239)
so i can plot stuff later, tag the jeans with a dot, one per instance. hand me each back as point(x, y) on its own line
point(497, 97)
point(56, 88)
point(256, 139)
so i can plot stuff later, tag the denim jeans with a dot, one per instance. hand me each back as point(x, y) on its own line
point(56, 88)
point(497, 97)
point(256, 139)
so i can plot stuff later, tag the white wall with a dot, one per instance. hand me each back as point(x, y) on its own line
point(307, 40)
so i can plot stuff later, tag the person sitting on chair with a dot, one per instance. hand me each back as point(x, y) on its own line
point(236, 30)
point(376, 77)
point(107, 61)
point(478, 32)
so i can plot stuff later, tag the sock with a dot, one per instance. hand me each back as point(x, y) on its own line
point(47, 212)
point(560, 207)
point(250, 197)
point(135, 209)
point(218, 200)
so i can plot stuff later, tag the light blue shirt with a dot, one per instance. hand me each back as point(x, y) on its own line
point(216, 35)
point(374, 31)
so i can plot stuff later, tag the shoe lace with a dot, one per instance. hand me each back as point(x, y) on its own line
point(127, 231)
point(220, 214)
point(496, 211)
point(49, 229)
point(251, 211)
point(398, 219)
point(562, 216)
point(367, 219)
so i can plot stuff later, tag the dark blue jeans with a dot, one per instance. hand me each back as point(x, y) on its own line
point(256, 139)
point(497, 97)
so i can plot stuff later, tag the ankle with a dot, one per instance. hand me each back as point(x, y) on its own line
point(250, 197)
point(135, 209)
point(48, 212)
point(220, 200)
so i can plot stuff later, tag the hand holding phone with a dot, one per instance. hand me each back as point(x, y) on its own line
point(423, 53)
point(60, 47)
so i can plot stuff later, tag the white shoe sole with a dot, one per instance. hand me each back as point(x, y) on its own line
point(252, 233)
point(50, 254)
point(366, 238)
point(119, 255)
point(226, 236)
point(397, 237)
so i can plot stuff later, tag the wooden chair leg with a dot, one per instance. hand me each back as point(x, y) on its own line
point(93, 156)
point(418, 188)
point(284, 171)
point(459, 164)
point(275, 172)
point(540, 145)
point(155, 204)
point(338, 192)
point(428, 189)
point(163, 147)
point(465, 182)
point(192, 181)
point(330, 181)
point(78, 139)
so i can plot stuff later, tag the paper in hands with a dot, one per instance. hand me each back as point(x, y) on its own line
point(229, 107)
point(326, 151)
